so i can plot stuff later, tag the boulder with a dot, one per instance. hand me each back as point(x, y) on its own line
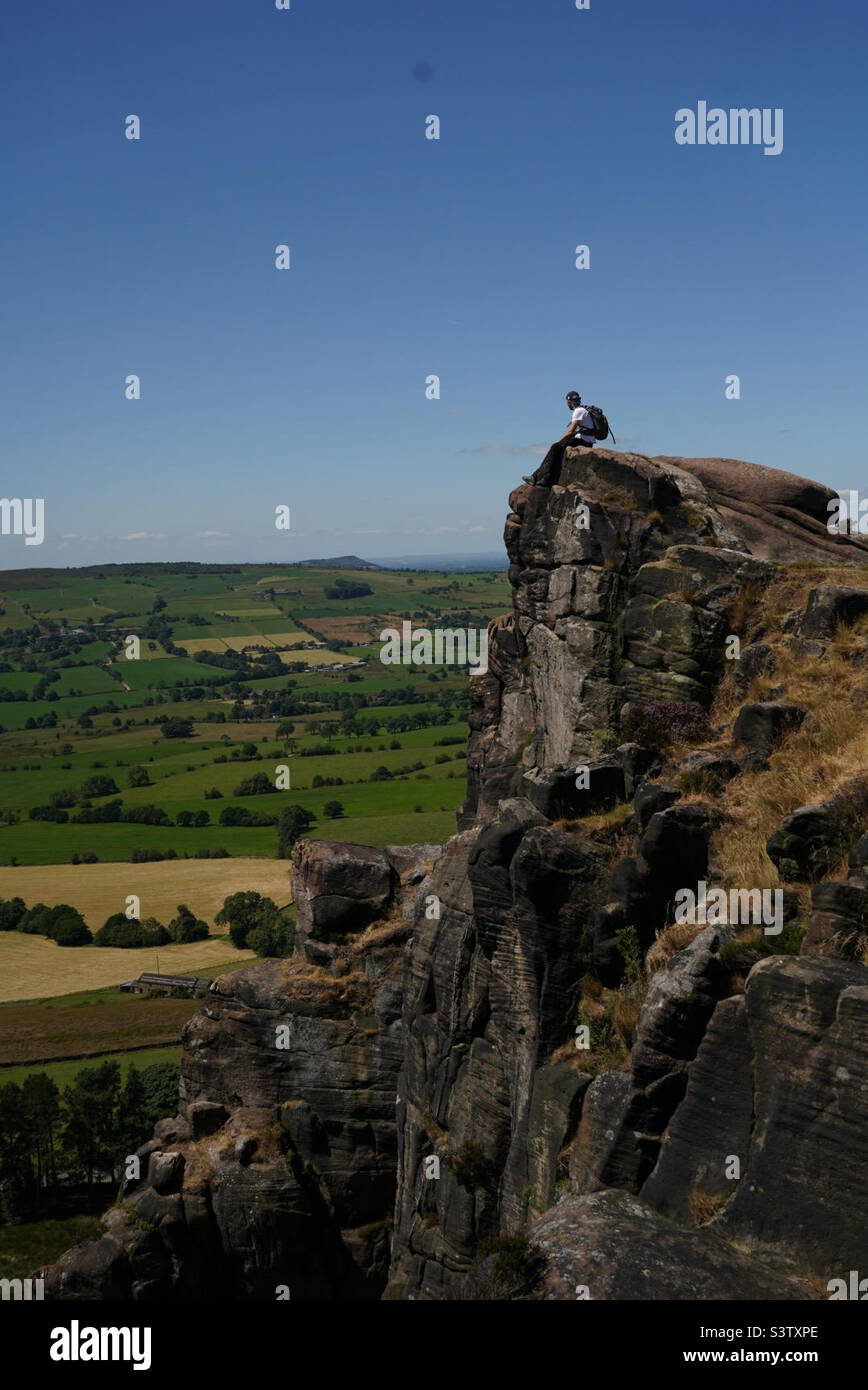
point(206, 1117)
point(673, 853)
point(166, 1172)
point(554, 791)
point(758, 659)
point(760, 727)
point(707, 769)
point(838, 924)
point(651, 797)
point(339, 887)
point(555, 1107)
point(807, 842)
point(613, 1246)
point(830, 606)
point(777, 515)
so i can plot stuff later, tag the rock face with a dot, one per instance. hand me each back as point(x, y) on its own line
point(778, 515)
point(613, 1246)
point(280, 1168)
point(489, 988)
point(627, 577)
point(426, 1094)
point(623, 578)
point(340, 889)
point(788, 1061)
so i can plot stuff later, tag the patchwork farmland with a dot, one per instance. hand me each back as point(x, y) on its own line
point(157, 720)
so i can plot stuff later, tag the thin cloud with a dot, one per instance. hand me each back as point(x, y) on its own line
point(505, 449)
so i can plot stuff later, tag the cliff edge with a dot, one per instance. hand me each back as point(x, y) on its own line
point(507, 1066)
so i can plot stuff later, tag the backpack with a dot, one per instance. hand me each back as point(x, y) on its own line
point(599, 422)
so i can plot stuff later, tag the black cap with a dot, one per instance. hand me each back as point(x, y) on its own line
point(573, 396)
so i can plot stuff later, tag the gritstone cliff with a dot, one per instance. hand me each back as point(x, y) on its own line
point(432, 1130)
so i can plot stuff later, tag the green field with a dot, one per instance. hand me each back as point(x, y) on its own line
point(33, 1244)
point(91, 711)
point(386, 743)
point(62, 1073)
point(249, 669)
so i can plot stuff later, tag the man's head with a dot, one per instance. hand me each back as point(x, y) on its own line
point(573, 399)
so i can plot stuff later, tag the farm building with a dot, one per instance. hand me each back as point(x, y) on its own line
point(164, 984)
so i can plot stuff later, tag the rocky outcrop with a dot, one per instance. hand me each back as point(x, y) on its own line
point(279, 1171)
point(774, 1126)
point(411, 1107)
point(778, 515)
point(490, 989)
point(830, 606)
point(613, 1246)
point(625, 576)
point(628, 578)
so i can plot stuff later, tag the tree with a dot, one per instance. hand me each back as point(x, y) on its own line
point(293, 822)
point(243, 913)
point(347, 588)
point(274, 938)
point(139, 777)
point(129, 932)
point(161, 1090)
point(11, 912)
point(177, 728)
point(34, 922)
point(185, 927)
point(133, 1117)
point(90, 1119)
point(260, 784)
point(41, 1101)
point(16, 1168)
point(333, 809)
point(239, 815)
point(70, 929)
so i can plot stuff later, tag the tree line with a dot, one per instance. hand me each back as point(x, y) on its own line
point(52, 1139)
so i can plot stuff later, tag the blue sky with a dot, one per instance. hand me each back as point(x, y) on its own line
point(412, 257)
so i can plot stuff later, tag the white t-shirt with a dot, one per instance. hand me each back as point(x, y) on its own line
point(582, 425)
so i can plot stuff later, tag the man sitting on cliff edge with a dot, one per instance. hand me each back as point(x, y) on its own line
point(578, 435)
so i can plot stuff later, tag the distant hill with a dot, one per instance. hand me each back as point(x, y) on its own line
point(475, 563)
point(340, 562)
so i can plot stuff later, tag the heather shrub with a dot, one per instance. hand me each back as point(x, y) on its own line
point(660, 722)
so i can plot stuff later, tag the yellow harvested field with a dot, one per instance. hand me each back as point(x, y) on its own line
point(313, 657)
point(238, 643)
point(98, 890)
point(32, 967)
